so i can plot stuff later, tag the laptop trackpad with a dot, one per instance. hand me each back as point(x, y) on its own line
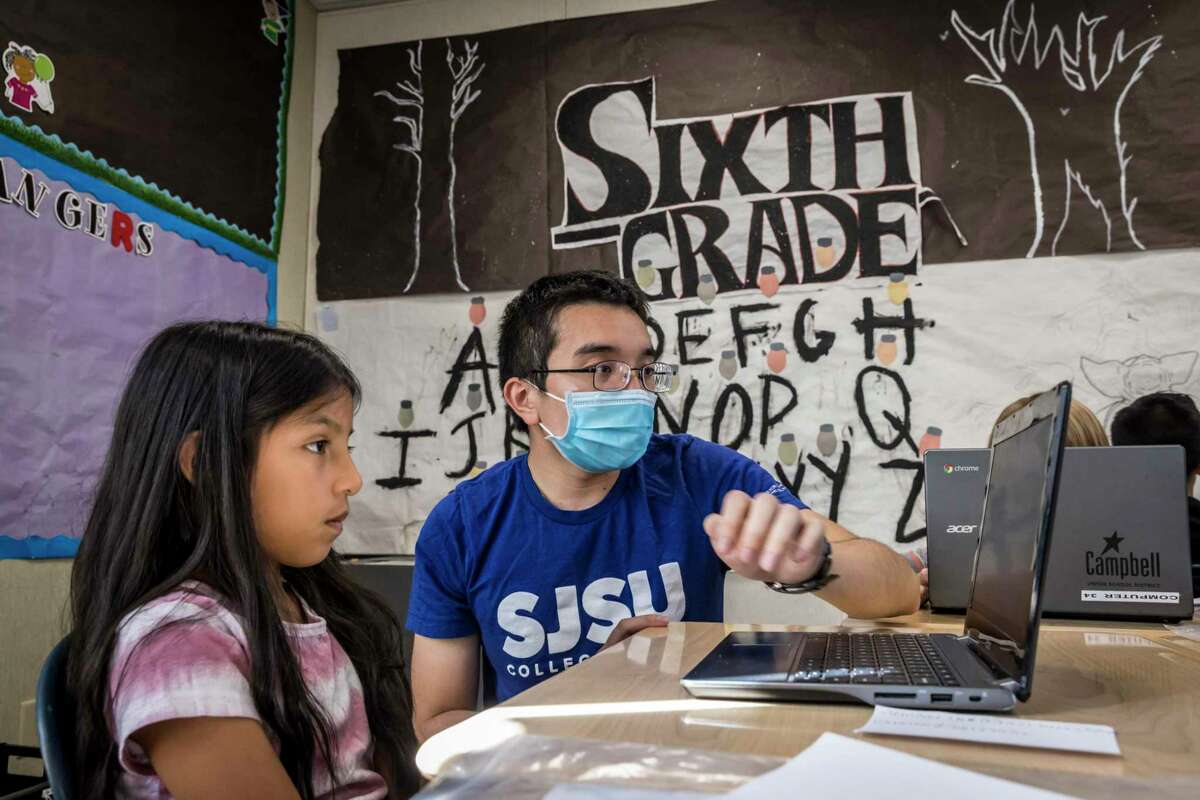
point(755, 656)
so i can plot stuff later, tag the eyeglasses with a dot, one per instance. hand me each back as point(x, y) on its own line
point(614, 376)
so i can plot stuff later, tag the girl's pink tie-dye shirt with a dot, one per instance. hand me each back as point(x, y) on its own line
point(201, 668)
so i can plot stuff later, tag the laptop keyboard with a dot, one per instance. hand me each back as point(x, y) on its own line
point(881, 658)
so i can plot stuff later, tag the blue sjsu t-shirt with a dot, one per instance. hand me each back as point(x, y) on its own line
point(544, 587)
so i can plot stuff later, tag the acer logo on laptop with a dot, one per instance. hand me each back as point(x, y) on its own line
point(961, 528)
point(952, 468)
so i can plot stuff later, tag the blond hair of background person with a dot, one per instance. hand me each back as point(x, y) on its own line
point(1084, 429)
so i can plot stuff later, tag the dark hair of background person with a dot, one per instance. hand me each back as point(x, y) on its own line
point(1161, 418)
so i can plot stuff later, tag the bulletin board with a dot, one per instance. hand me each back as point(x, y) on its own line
point(141, 164)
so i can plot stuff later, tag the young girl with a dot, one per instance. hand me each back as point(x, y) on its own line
point(218, 649)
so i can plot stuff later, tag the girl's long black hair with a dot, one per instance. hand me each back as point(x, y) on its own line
point(151, 529)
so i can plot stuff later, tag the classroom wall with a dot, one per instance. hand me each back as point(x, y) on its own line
point(33, 594)
point(293, 246)
point(417, 19)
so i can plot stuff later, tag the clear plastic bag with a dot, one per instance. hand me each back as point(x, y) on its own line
point(530, 766)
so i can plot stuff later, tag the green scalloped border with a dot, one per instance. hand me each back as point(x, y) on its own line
point(285, 102)
point(54, 147)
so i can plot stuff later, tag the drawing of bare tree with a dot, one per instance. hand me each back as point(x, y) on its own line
point(1095, 88)
point(465, 69)
point(411, 114)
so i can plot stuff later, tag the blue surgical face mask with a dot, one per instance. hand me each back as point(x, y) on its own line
point(605, 430)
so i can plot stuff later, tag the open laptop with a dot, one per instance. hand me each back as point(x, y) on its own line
point(988, 667)
point(1121, 547)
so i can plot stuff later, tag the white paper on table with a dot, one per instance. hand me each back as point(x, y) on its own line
point(992, 729)
point(840, 768)
point(1103, 639)
point(1188, 630)
point(595, 791)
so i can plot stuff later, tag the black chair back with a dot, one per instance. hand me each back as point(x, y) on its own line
point(56, 722)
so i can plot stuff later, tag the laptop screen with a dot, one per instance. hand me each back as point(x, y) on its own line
point(1003, 595)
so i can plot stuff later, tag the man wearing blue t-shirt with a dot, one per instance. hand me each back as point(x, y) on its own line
point(603, 528)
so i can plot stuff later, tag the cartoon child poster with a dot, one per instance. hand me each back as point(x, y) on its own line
point(27, 78)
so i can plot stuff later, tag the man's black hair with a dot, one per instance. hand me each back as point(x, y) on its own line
point(527, 333)
point(1161, 418)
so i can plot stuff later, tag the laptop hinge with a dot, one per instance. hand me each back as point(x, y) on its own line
point(999, 673)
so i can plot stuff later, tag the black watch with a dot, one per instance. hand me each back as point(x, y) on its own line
point(821, 577)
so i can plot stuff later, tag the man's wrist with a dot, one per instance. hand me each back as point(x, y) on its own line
point(821, 577)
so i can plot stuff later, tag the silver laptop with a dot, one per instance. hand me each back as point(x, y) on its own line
point(1121, 548)
point(989, 666)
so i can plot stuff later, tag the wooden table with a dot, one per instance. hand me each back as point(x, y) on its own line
point(1142, 679)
